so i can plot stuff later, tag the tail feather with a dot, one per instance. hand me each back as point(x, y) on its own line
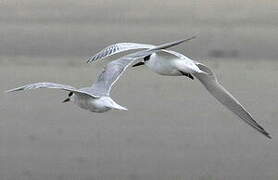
point(118, 107)
point(113, 105)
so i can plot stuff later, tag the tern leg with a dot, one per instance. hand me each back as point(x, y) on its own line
point(138, 64)
point(142, 63)
point(187, 75)
point(68, 99)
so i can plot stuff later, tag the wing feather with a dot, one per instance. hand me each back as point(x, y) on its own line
point(52, 86)
point(209, 80)
point(121, 47)
point(113, 70)
point(117, 48)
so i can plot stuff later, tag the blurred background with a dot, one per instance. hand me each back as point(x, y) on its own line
point(174, 129)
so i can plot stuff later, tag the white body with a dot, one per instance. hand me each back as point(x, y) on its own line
point(98, 105)
point(171, 65)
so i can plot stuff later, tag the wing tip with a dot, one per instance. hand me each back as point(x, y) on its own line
point(187, 39)
point(11, 90)
point(263, 131)
point(192, 37)
point(90, 59)
point(266, 134)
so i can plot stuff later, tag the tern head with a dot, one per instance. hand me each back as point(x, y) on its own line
point(68, 99)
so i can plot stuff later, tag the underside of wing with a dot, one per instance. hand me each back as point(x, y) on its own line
point(43, 85)
point(110, 74)
point(115, 69)
point(51, 86)
point(118, 48)
point(223, 96)
point(169, 54)
point(121, 47)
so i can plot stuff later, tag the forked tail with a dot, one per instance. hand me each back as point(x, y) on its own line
point(113, 105)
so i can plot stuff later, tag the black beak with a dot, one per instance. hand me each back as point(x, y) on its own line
point(66, 100)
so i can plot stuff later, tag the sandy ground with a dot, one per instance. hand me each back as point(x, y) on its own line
point(173, 130)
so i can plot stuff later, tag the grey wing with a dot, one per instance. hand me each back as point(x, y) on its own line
point(50, 85)
point(118, 48)
point(110, 74)
point(222, 95)
point(114, 69)
point(121, 47)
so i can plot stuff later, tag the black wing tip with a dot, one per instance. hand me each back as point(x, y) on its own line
point(267, 134)
point(188, 39)
point(90, 59)
point(263, 131)
point(184, 40)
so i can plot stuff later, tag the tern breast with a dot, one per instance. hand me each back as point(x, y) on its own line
point(163, 65)
point(91, 104)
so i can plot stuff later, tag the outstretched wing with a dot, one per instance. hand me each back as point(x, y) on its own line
point(118, 48)
point(115, 69)
point(121, 47)
point(209, 80)
point(51, 85)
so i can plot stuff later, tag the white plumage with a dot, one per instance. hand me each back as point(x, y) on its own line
point(171, 63)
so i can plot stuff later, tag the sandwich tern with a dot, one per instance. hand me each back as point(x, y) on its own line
point(171, 63)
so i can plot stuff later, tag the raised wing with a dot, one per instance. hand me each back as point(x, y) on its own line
point(222, 95)
point(121, 47)
point(118, 48)
point(114, 69)
point(51, 85)
point(110, 74)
